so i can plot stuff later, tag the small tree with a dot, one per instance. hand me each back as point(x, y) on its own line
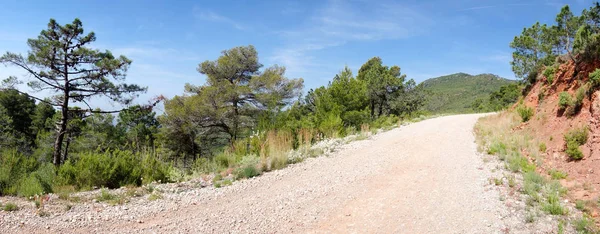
point(60, 61)
point(533, 49)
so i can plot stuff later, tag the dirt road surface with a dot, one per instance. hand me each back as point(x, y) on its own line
point(425, 177)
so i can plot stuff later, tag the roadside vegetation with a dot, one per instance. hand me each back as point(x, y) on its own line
point(246, 119)
point(520, 155)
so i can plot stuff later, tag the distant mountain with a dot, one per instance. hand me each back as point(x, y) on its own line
point(455, 93)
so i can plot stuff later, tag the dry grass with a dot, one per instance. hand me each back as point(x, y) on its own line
point(278, 146)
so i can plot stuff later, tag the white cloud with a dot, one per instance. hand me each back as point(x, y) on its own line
point(340, 22)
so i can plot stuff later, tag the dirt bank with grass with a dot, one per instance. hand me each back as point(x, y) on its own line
point(426, 177)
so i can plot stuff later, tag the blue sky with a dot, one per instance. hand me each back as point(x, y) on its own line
point(314, 40)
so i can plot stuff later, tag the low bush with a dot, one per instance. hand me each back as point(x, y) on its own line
point(549, 74)
point(518, 163)
point(248, 167)
point(154, 197)
point(542, 147)
point(577, 135)
point(585, 225)
point(10, 207)
point(532, 183)
point(557, 174)
point(579, 96)
point(525, 112)
point(552, 205)
point(573, 151)
point(112, 170)
point(573, 139)
point(497, 148)
point(564, 100)
point(24, 176)
point(580, 205)
point(595, 79)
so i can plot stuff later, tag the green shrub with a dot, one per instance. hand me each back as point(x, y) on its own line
point(579, 96)
point(224, 160)
point(542, 147)
point(585, 225)
point(15, 168)
point(577, 135)
point(204, 166)
point(10, 207)
point(564, 100)
point(573, 151)
point(226, 183)
point(552, 205)
point(519, 163)
point(154, 197)
point(29, 186)
point(595, 78)
point(549, 74)
point(248, 167)
point(497, 148)
point(525, 112)
point(575, 138)
point(112, 170)
point(532, 184)
point(557, 174)
point(24, 176)
point(105, 195)
point(332, 125)
point(580, 205)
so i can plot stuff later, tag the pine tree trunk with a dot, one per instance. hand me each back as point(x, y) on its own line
point(61, 133)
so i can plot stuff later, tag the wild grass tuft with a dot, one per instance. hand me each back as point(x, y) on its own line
point(557, 174)
point(585, 225)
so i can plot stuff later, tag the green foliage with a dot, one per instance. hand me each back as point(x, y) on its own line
point(105, 195)
point(154, 197)
point(113, 170)
point(577, 135)
point(532, 183)
point(564, 100)
point(575, 138)
point(557, 174)
point(579, 96)
point(24, 176)
point(248, 167)
point(542, 147)
point(576, 38)
point(549, 73)
point(56, 60)
point(497, 148)
point(585, 225)
point(552, 206)
point(595, 78)
point(458, 93)
point(573, 150)
point(10, 207)
point(525, 112)
point(532, 50)
point(580, 205)
point(519, 163)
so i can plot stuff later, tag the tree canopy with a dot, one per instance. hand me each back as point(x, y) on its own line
point(573, 37)
point(61, 61)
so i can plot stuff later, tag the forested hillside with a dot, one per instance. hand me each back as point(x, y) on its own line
point(245, 119)
point(464, 93)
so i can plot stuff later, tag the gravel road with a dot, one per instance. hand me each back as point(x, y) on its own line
point(425, 177)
